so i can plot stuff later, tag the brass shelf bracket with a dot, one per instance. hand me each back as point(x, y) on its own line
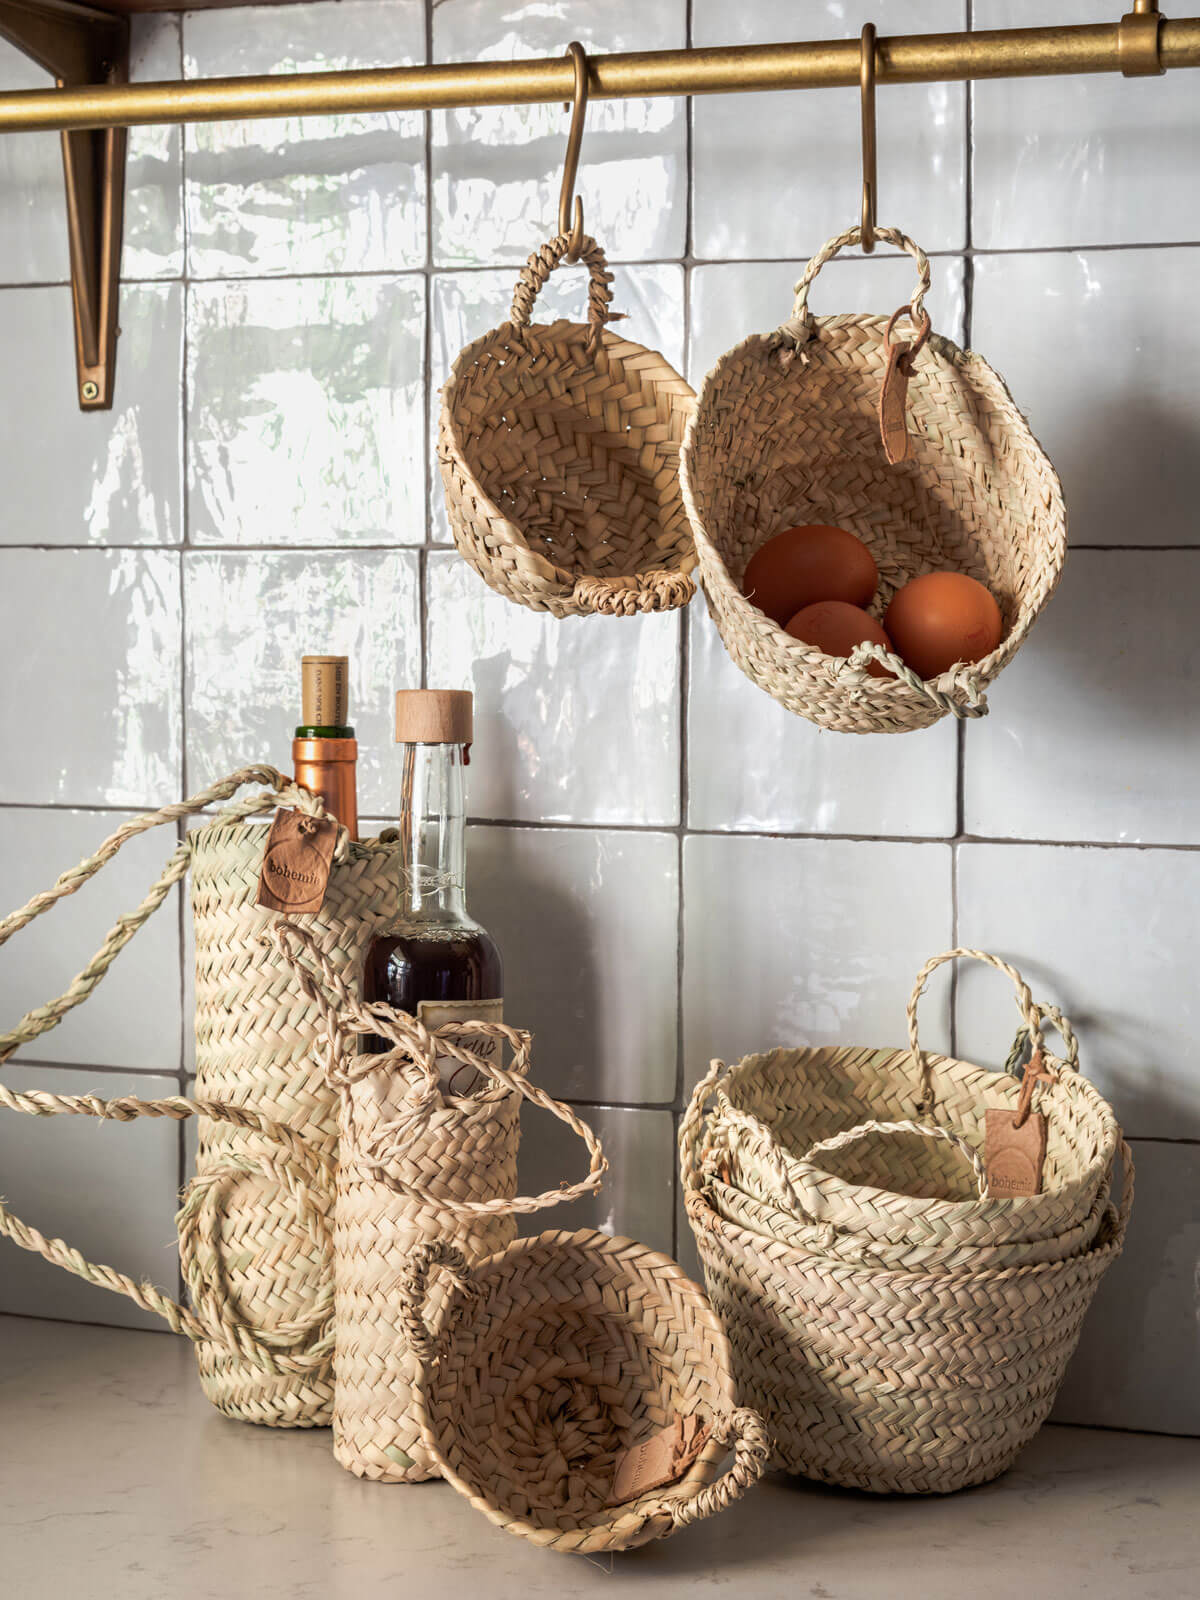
point(83, 48)
point(1139, 47)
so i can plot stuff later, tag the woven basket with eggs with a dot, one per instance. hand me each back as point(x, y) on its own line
point(917, 449)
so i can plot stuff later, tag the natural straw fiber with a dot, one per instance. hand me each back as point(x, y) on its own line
point(897, 1335)
point(559, 449)
point(546, 1362)
point(254, 1239)
point(414, 1164)
point(786, 431)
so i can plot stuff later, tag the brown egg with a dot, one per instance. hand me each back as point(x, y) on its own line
point(943, 618)
point(835, 627)
point(800, 566)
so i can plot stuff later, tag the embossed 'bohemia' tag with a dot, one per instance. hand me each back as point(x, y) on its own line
point(659, 1460)
point(1013, 1152)
point(296, 862)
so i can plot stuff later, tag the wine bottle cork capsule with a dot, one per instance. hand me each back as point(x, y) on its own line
point(434, 716)
point(325, 691)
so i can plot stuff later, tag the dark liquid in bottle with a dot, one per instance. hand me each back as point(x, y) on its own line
point(402, 969)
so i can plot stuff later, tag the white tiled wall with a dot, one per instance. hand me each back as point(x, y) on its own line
point(674, 866)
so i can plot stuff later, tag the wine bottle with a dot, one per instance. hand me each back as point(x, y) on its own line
point(324, 750)
point(431, 958)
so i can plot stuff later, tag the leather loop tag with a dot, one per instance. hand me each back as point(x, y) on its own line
point(1013, 1152)
point(296, 862)
point(659, 1460)
point(893, 422)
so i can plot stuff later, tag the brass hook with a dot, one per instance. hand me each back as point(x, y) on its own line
point(866, 78)
point(571, 164)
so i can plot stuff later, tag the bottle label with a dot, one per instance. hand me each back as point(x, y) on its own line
point(456, 1078)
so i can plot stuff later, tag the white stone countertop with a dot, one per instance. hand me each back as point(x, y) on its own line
point(118, 1481)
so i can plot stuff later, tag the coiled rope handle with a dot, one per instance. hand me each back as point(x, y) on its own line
point(745, 1432)
point(535, 275)
point(1061, 1026)
point(416, 1046)
point(964, 698)
point(414, 1287)
point(292, 1162)
point(926, 1130)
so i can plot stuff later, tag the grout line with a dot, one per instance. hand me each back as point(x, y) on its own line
point(434, 547)
point(185, 537)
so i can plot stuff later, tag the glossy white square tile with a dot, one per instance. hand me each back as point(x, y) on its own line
point(497, 169)
point(1138, 1361)
point(730, 300)
point(781, 773)
point(1095, 159)
point(638, 1196)
point(250, 617)
point(575, 721)
point(33, 240)
point(840, 931)
point(132, 1019)
point(108, 1188)
point(1115, 407)
point(778, 174)
point(1091, 729)
point(466, 305)
point(305, 194)
point(92, 648)
point(1099, 933)
point(587, 924)
point(116, 476)
point(306, 413)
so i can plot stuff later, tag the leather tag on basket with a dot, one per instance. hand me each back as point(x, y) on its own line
point(295, 869)
point(659, 1460)
point(1014, 1142)
point(893, 421)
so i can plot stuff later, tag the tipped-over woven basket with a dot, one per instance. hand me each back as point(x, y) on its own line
point(893, 1339)
point(559, 449)
point(548, 1361)
point(787, 431)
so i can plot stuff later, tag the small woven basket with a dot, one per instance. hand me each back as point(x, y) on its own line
point(546, 1362)
point(846, 1139)
point(899, 1329)
point(414, 1164)
point(559, 450)
point(786, 431)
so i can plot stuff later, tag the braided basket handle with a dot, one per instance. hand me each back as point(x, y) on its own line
point(691, 1123)
point(414, 1291)
point(1031, 1014)
point(345, 1016)
point(801, 325)
point(1061, 1026)
point(926, 1130)
point(964, 699)
point(42, 1018)
point(535, 274)
point(746, 1431)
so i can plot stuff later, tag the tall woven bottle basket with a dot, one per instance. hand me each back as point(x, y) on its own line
point(545, 1363)
point(786, 431)
point(414, 1164)
point(559, 450)
point(899, 1329)
point(254, 1235)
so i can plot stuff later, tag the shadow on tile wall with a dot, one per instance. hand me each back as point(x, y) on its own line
point(673, 865)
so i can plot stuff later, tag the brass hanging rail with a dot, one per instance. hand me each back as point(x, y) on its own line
point(835, 63)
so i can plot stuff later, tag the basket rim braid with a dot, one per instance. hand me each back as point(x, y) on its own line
point(543, 1363)
point(881, 1146)
point(786, 431)
point(559, 452)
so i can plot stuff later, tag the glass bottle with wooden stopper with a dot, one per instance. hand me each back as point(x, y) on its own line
point(431, 958)
point(324, 750)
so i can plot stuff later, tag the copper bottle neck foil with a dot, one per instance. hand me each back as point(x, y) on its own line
point(327, 767)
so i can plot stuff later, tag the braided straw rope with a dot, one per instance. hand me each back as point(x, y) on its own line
point(253, 1232)
point(559, 447)
point(786, 431)
point(414, 1165)
point(890, 1343)
point(545, 1362)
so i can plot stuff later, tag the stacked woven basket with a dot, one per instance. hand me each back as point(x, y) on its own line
point(900, 1328)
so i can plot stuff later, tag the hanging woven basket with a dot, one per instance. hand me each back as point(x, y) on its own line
point(787, 431)
point(548, 1363)
point(559, 450)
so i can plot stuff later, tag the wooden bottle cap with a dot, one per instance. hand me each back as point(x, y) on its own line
point(324, 691)
point(434, 716)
